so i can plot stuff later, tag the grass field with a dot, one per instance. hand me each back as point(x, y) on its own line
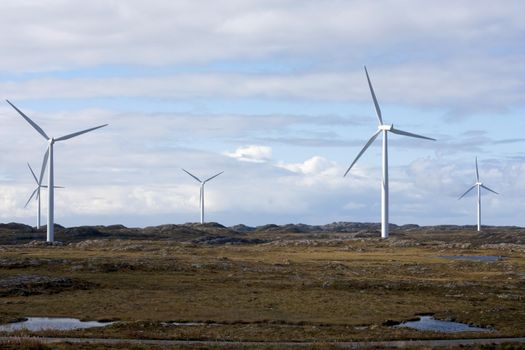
point(284, 290)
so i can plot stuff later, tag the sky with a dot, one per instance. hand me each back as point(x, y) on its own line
point(274, 94)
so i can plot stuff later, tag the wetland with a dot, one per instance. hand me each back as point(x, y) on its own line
point(275, 284)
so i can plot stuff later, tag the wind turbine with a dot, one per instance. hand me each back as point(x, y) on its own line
point(383, 129)
point(36, 192)
point(51, 141)
point(201, 197)
point(479, 185)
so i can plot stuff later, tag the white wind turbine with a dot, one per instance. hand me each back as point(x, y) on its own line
point(201, 197)
point(479, 185)
point(383, 129)
point(49, 154)
point(37, 191)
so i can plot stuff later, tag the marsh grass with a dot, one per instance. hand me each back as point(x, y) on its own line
point(285, 292)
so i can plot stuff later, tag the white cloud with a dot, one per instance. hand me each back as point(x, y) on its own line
point(464, 84)
point(315, 165)
point(251, 153)
point(313, 191)
point(69, 34)
point(457, 57)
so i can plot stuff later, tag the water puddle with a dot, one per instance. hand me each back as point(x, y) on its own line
point(51, 323)
point(429, 323)
point(473, 257)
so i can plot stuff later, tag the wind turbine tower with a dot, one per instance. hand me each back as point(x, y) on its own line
point(383, 129)
point(479, 186)
point(201, 196)
point(51, 141)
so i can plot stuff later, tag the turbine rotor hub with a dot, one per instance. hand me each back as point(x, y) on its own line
point(386, 127)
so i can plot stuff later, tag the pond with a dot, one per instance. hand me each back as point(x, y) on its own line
point(429, 323)
point(474, 257)
point(51, 323)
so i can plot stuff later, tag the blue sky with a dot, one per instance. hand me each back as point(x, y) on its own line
point(273, 93)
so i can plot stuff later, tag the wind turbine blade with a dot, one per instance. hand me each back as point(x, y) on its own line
point(32, 173)
point(378, 110)
point(213, 177)
point(404, 133)
point(200, 197)
point(372, 139)
point(43, 169)
point(31, 197)
point(33, 124)
point(470, 189)
point(190, 174)
point(67, 137)
point(488, 189)
point(477, 171)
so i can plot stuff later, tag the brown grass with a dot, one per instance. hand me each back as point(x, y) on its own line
point(271, 292)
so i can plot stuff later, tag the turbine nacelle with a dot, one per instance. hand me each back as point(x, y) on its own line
point(386, 127)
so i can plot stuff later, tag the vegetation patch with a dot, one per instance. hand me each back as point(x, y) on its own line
point(298, 285)
point(26, 285)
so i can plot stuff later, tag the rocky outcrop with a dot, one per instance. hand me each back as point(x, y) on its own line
point(214, 233)
point(221, 240)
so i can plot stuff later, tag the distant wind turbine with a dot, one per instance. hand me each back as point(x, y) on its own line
point(51, 141)
point(36, 192)
point(479, 185)
point(383, 129)
point(201, 197)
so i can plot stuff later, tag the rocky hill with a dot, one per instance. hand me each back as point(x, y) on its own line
point(214, 233)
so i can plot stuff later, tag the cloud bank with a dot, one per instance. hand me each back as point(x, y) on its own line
point(274, 94)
